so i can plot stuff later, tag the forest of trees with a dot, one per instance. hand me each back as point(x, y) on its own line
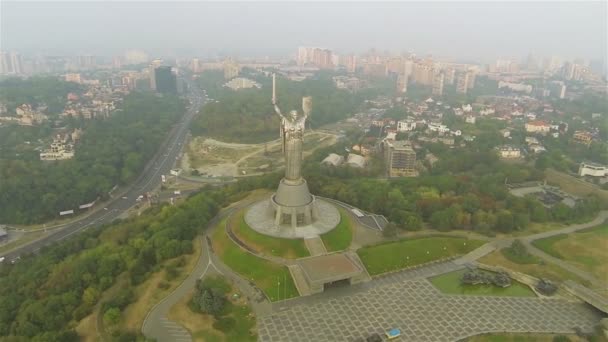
point(42, 297)
point(49, 91)
point(111, 152)
point(248, 116)
point(464, 190)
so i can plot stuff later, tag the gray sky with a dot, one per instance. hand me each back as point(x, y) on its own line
point(471, 30)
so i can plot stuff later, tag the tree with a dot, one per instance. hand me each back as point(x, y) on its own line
point(111, 317)
point(90, 296)
point(504, 221)
point(390, 230)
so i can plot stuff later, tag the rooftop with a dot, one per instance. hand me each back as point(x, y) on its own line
point(330, 267)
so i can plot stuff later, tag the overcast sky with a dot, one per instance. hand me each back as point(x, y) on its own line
point(464, 30)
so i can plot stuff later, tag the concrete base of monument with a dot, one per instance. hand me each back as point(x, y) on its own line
point(259, 216)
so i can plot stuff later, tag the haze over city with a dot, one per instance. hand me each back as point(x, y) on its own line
point(461, 30)
point(303, 171)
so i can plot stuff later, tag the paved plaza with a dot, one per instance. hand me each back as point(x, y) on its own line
point(408, 301)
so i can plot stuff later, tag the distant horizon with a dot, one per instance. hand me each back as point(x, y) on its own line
point(462, 31)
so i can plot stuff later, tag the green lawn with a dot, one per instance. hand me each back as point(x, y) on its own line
point(264, 244)
point(450, 283)
point(396, 255)
point(339, 238)
point(265, 274)
point(585, 249)
point(547, 244)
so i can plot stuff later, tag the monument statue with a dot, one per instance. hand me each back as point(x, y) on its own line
point(292, 211)
point(292, 134)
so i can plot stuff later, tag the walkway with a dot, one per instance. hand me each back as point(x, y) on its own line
point(527, 240)
point(156, 324)
point(407, 301)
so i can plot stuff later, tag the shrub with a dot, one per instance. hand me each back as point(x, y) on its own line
point(224, 324)
point(546, 287)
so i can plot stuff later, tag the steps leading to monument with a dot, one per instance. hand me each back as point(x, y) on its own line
point(315, 246)
point(298, 279)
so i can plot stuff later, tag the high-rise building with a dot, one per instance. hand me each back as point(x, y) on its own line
point(462, 82)
point(400, 159)
point(16, 63)
point(395, 65)
point(231, 69)
point(86, 61)
point(165, 80)
point(423, 74)
point(375, 69)
point(402, 80)
point(438, 84)
point(322, 58)
point(11, 63)
point(195, 65)
point(5, 63)
point(450, 76)
point(408, 68)
point(117, 62)
point(351, 63)
point(471, 81)
point(135, 57)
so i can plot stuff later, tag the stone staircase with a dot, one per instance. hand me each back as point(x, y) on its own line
point(298, 278)
point(315, 246)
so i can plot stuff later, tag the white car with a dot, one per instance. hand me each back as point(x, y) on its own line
point(2, 259)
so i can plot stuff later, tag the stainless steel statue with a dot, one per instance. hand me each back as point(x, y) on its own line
point(292, 134)
point(292, 204)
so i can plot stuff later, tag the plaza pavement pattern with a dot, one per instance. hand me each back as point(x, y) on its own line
point(408, 301)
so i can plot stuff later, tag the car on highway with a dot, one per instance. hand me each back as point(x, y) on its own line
point(105, 208)
point(125, 197)
point(2, 259)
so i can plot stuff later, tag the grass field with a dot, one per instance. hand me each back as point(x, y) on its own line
point(521, 338)
point(450, 283)
point(396, 255)
point(264, 244)
point(149, 293)
point(201, 325)
point(339, 238)
point(574, 185)
point(271, 278)
point(537, 269)
point(585, 249)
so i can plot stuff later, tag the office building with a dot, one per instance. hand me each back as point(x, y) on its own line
point(165, 80)
point(400, 159)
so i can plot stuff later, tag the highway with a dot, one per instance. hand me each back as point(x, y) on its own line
point(148, 181)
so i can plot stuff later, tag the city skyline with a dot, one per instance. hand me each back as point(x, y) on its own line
point(462, 30)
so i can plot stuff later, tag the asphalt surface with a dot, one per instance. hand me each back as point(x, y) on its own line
point(148, 181)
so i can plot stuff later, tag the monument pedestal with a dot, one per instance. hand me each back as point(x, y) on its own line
point(293, 204)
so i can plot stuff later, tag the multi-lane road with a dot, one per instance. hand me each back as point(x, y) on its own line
point(149, 180)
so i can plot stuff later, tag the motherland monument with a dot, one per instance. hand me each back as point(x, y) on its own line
point(292, 211)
